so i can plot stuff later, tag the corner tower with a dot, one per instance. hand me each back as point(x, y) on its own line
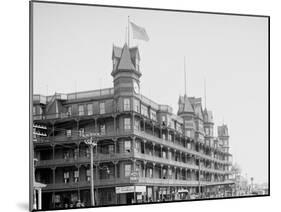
point(208, 127)
point(186, 111)
point(223, 137)
point(125, 71)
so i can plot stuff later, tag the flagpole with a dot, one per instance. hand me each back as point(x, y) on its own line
point(205, 95)
point(128, 31)
point(184, 76)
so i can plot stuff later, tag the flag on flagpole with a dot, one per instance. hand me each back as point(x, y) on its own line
point(139, 32)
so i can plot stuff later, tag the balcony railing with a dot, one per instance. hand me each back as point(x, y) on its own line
point(72, 185)
point(141, 180)
point(108, 135)
point(121, 156)
point(81, 160)
point(165, 161)
point(176, 146)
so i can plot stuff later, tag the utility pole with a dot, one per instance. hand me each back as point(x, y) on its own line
point(91, 140)
point(199, 178)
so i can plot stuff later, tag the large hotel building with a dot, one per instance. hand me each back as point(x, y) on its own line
point(144, 152)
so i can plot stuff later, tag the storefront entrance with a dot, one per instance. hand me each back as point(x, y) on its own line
point(129, 198)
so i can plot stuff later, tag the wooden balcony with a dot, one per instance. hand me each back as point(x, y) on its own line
point(176, 146)
point(167, 182)
point(141, 134)
point(119, 182)
point(126, 181)
point(82, 160)
point(164, 161)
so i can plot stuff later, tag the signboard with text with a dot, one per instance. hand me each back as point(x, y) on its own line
point(125, 189)
point(130, 189)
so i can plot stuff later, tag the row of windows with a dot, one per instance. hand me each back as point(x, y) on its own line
point(140, 108)
point(127, 173)
point(81, 111)
point(102, 128)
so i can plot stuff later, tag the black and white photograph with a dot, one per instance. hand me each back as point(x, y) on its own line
point(143, 106)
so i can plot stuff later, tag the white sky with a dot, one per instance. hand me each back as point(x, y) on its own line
point(73, 46)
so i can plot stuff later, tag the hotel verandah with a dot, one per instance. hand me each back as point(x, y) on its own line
point(145, 153)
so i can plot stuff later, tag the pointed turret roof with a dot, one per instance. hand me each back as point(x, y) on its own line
point(197, 105)
point(125, 60)
point(186, 105)
point(208, 115)
point(117, 51)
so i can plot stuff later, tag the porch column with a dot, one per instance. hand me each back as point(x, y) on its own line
point(133, 122)
point(134, 164)
point(53, 147)
point(115, 176)
point(77, 155)
point(53, 130)
point(115, 145)
point(161, 171)
point(115, 169)
point(144, 167)
point(168, 133)
point(114, 125)
point(77, 120)
point(39, 199)
point(78, 188)
point(96, 126)
point(53, 199)
point(144, 141)
point(35, 206)
point(180, 173)
point(133, 144)
point(54, 175)
point(153, 169)
point(168, 171)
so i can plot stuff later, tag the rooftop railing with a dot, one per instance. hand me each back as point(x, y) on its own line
point(73, 96)
point(148, 101)
point(90, 94)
